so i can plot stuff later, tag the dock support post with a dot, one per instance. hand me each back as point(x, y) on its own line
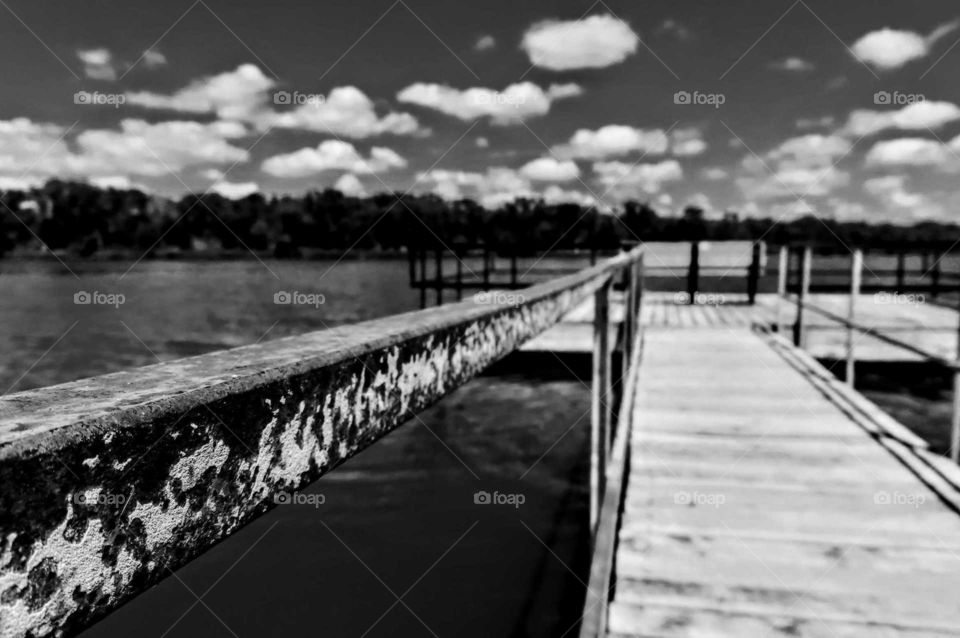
point(486, 268)
point(783, 267)
point(513, 270)
point(423, 278)
point(438, 262)
point(459, 275)
point(901, 270)
point(693, 271)
point(753, 274)
point(599, 401)
point(935, 276)
point(798, 335)
point(856, 272)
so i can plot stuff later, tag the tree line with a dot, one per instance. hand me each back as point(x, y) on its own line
point(81, 219)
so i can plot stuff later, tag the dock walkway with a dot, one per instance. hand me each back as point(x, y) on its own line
point(763, 498)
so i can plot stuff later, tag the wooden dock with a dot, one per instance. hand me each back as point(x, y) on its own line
point(764, 498)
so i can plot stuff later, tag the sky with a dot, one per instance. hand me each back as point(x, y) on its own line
point(773, 108)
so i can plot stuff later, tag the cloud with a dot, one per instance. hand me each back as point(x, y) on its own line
point(591, 43)
point(97, 64)
point(512, 105)
point(918, 116)
point(244, 94)
point(548, 169)
point(715, 174)
point(331, 155)
point(152, 58)
point(240, 94)
point(912, 151)
point(137, 147)
point(612, 140)
point(482, 142)
point(235, 190)
point(888, 49)
point(685, 142)
point(485, 43)
point(792, 65)
point(493, 188)
point(554, 195)
point(799, 166)
point(349, 184)
point(673, 28)
point(806, 123)
point(346, 111)
point(623, 180)
point(899, 201)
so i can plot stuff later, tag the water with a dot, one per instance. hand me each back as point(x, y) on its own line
point(400, 518)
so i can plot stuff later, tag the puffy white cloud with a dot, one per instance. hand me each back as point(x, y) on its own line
point(792, 65)
point(239, 94)
point(887, 49)
point(913, 117)
point(612, 140)
point(331, 155)
point(685, 142)
point(800, 166)
point(623, 180)
point(244, 94)
point(138, 147)
point(485, 43)
point(118, 182)
point(349, 184)
point(899, 201)
point(235, 190)
point(152, 58)
point(715, 173)
point(554, 194)
point(345, 111)
point(512, 105)
point(155, 149)
point(482, 142)
point(590, 43)
point(548, 169)
point(911, 151)
point(97, 64)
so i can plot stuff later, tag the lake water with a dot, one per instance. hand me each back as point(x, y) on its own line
point(398, 518)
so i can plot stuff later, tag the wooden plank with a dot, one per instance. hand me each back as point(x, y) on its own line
point(761, 502)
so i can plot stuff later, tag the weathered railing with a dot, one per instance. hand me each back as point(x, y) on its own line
point(108, 483)
point(850, 323)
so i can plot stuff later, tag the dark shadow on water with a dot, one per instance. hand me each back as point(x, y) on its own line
point(401, 520)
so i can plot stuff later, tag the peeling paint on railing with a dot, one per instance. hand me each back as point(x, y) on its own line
point(108, 483)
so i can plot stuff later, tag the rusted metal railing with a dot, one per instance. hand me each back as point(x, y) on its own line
point(260, 420)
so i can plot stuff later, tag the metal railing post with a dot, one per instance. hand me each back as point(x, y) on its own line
point(798, 335)
point(753, 274)
point(693, 271)
point(783, 267)
point(955, 421)
point(628, 328)
point(599, 400)
point(856, 272)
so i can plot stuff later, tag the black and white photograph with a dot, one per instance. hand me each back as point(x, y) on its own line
point(427, 319)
